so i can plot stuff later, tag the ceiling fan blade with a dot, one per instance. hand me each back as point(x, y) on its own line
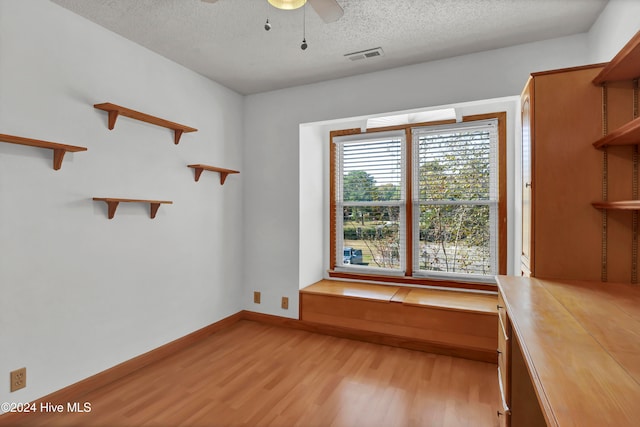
point(328, 10)
point(209, 1)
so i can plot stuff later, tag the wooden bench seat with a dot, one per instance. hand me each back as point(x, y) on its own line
point(452, 300)
point(352, 290)
point(460, 324)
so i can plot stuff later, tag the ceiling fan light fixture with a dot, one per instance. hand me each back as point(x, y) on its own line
point(287, 4)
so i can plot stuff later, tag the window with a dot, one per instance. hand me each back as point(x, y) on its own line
point(456, 200)
point(370, 199)
point(420, 203)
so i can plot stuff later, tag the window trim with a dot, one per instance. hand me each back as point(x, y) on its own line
point(408, 277)
point(371, 137)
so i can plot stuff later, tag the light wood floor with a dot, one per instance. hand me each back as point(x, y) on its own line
point(253, 374)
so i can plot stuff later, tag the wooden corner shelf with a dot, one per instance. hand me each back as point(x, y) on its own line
point(112, 204)
point(59, 150)
point(628, 134)
point(624, 66)
point(223, 172)
point(116, 110)
point(625, 205)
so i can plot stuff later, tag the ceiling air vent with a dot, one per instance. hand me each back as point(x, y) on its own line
point(365, 54)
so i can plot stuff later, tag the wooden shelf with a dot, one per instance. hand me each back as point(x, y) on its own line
point(112, 204)
point(627, 205)
point(59, 150)
point(223, 172)
point(116, 110)
point(628, 134)
point(624, 66)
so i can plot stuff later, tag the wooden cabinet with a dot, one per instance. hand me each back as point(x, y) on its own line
point(573, 352)
point(565, 113)
point(561, 117)
point(525, 410)
point(518, 403)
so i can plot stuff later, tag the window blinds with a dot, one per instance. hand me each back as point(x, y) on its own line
point(455, 199)
point(370, 164)
point(370, 214)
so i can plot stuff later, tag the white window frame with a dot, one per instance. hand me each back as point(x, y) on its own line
point(493, 201)
point(370, 137)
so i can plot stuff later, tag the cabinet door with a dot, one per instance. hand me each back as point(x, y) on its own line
point(525, 406)
point(527, 179)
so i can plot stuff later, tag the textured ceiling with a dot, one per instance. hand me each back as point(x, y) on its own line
point(226, 41)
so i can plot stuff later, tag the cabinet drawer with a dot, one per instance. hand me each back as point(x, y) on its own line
point(503, 340)
point(503, 319)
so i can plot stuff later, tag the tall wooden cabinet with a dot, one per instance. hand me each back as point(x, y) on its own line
point(561, 174)
point(580, 137)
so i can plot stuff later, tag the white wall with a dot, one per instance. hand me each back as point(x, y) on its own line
point(275, 194)
point(80, 293)
point(615, 26)
point(313, 201)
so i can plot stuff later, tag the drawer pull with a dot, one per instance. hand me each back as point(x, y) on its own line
point(499, 307)
point(499, 352)
point(507, 411)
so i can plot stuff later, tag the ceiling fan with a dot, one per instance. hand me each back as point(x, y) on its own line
point(328, 10)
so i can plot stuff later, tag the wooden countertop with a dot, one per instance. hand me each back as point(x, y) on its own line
point(581, 344)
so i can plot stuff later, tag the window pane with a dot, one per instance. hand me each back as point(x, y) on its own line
point(372, 171)
point(455, 186)
point(456, 239)
point(371, 236)
point(455, 165)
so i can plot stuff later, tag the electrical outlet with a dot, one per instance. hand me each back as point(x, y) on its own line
point(18, 379)
point(285, 303)
point(256, 297)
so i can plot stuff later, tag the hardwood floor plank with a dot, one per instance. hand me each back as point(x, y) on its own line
point(254, 374)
